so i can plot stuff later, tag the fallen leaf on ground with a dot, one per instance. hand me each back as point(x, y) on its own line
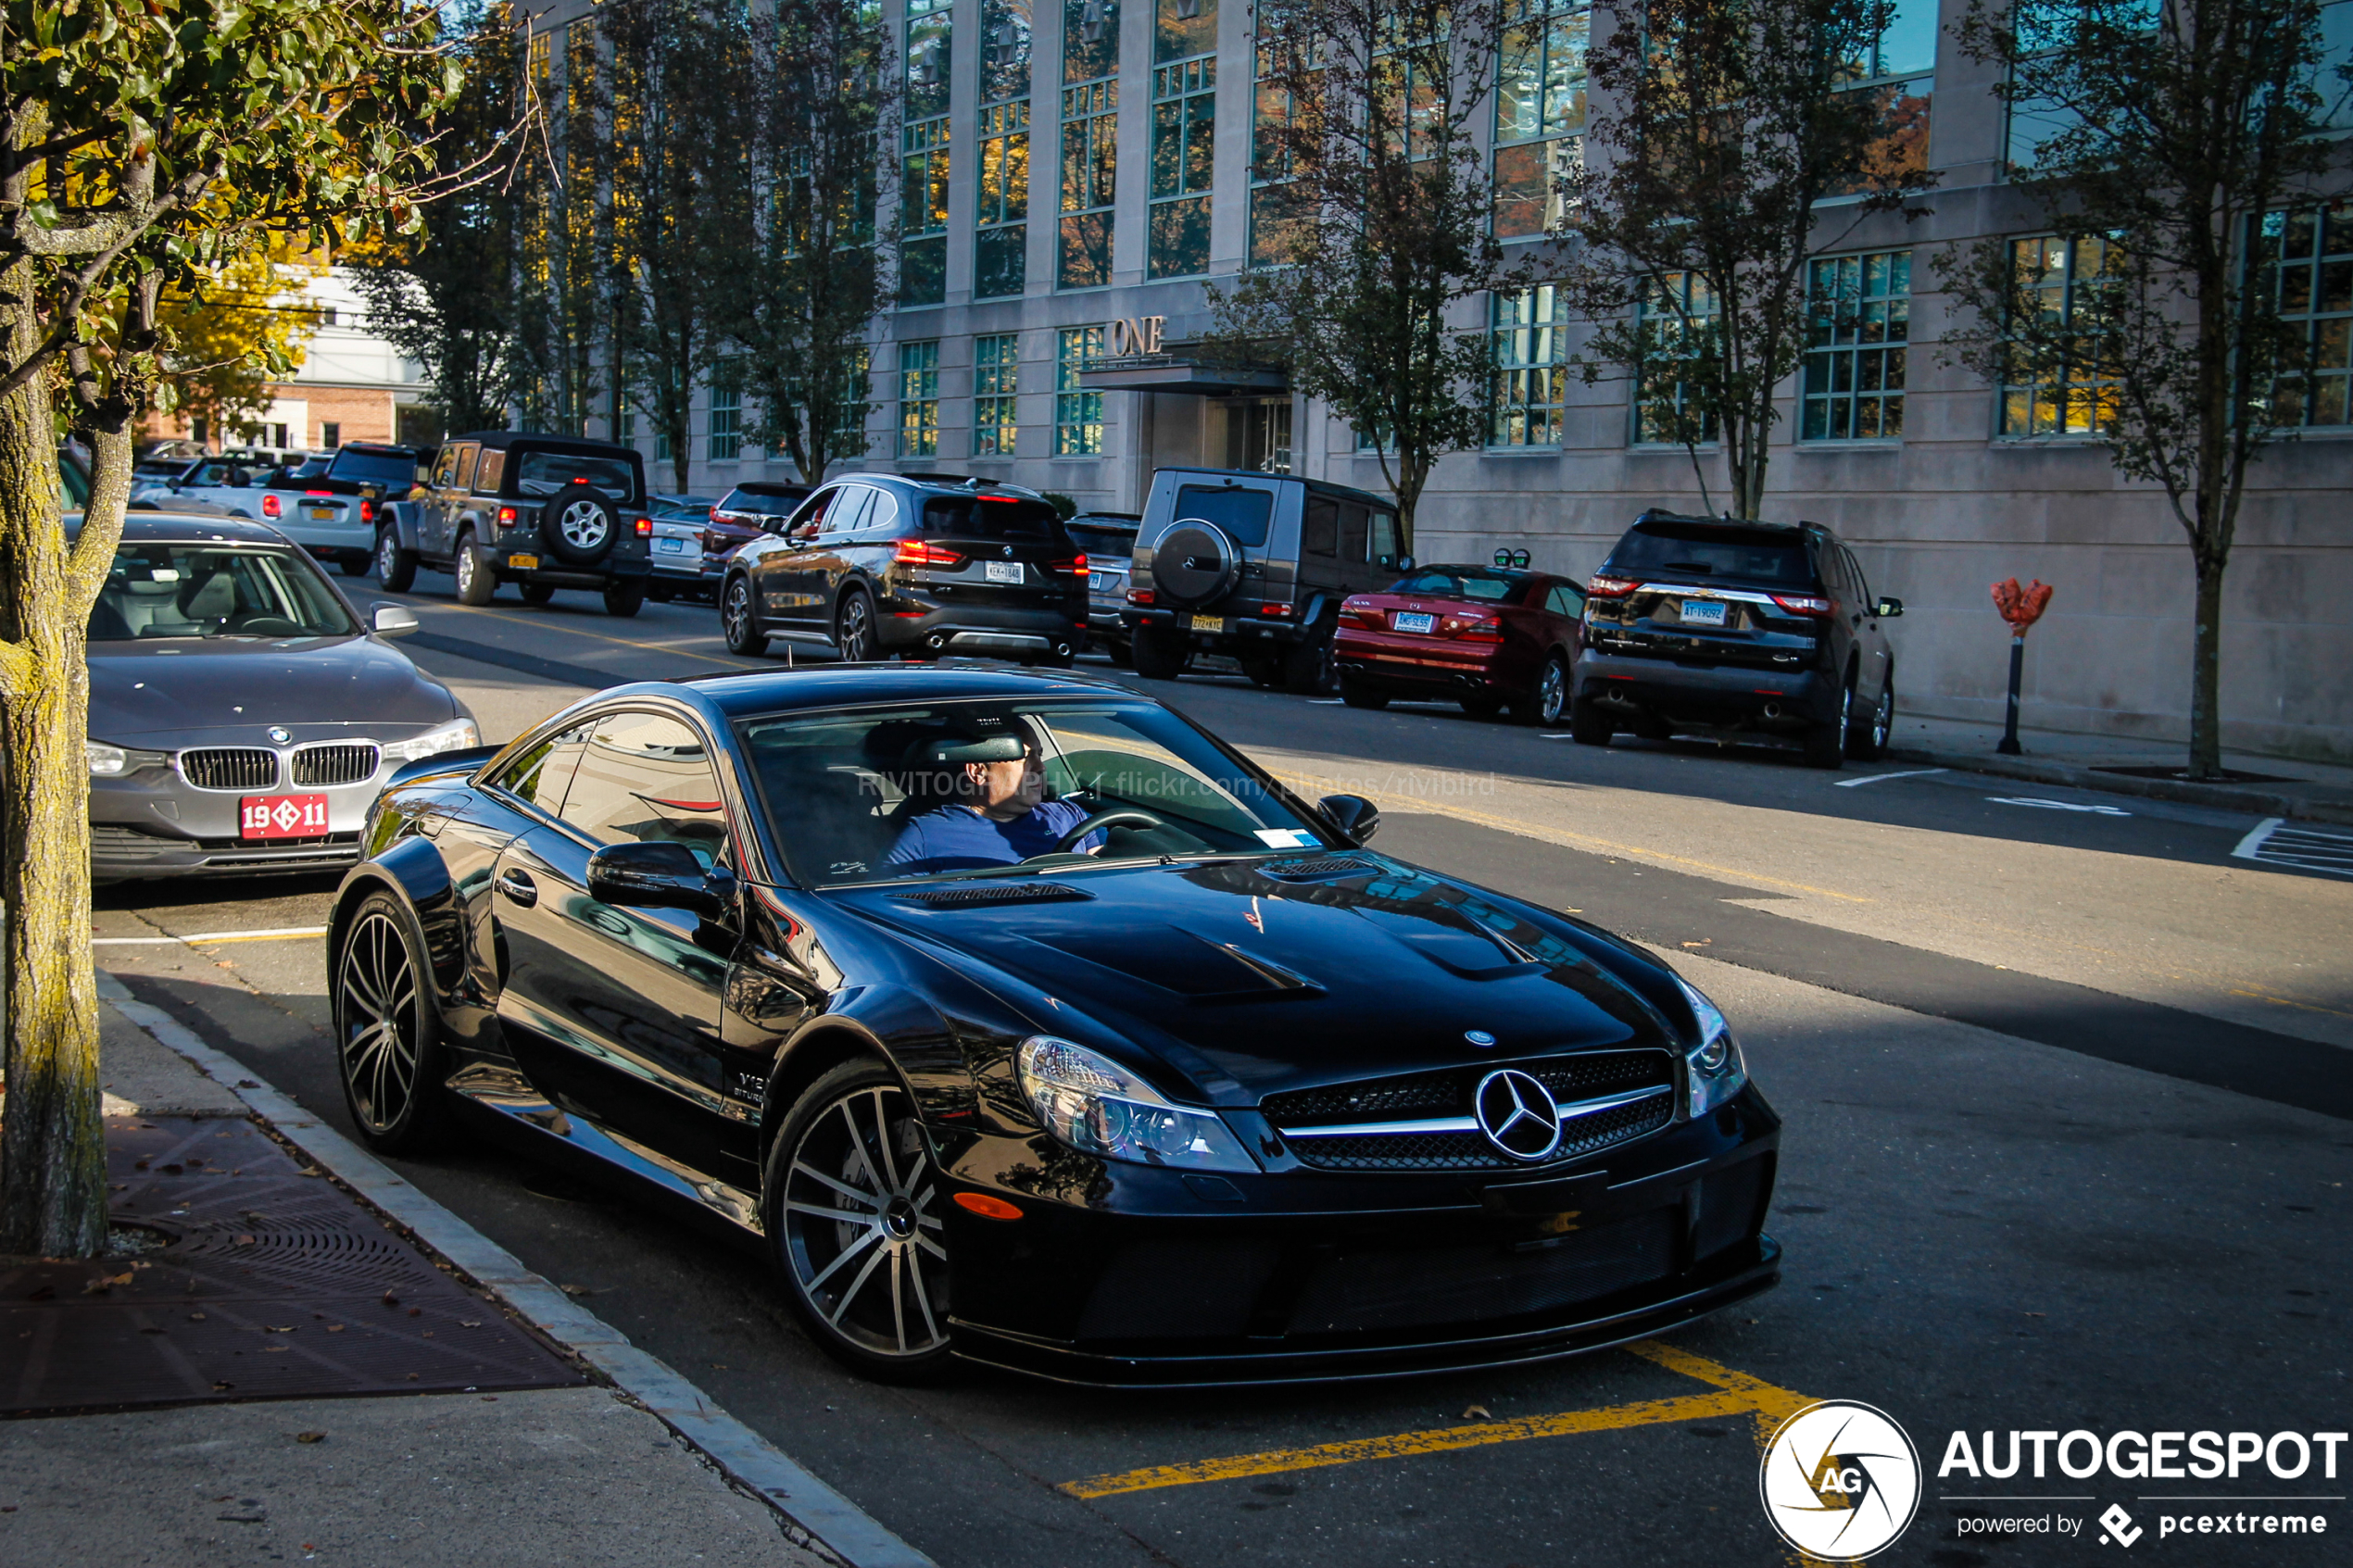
point(196, 1317)
point(273, 1328)
point(244, 1239)
point(1480, 1411)
point(334, 1328)
point(415, 1311)
point(104, 1282)
point(173, 1169)
point(139, 1165)
point(309, 1437)
point(412, 1377)
point(222, 1387)
point(469, 1323)
point(390, 1299)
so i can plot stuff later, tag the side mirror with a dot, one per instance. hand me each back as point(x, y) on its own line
point(392, 620)
point(1357, 817)
point(1888, 610)
point(661, 873)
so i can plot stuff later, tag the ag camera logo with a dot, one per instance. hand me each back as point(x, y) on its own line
point(1840, 1480)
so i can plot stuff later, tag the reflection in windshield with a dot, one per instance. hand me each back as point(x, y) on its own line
point(544, 473)
point(975, 789)
point(207, 591)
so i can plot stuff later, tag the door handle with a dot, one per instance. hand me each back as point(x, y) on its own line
point(518, 887)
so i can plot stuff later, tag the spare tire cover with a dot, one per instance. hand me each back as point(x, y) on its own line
point(1194, 562)
point(579, 525)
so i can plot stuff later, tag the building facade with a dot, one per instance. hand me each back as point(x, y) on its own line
point(1074, 179)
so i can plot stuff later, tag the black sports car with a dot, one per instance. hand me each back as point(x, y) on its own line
point(1030, 1023)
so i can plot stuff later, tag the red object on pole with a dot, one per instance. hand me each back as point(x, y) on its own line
point(2021, 606)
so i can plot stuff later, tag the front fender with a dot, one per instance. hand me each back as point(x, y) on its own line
point(891, 1023)
point(412, 871)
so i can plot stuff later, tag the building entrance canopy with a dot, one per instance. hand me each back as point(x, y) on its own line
point(1141, 362)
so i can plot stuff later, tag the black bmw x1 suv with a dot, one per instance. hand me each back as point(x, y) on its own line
point(1708, 623)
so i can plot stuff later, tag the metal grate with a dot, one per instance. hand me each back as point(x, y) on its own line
point(1447, 1091)
point(342, 763)
point(230, 766)
point(1391, 1290)
point(994, 893)
point(1471, 1151)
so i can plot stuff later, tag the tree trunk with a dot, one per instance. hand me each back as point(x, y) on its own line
point(53, 1174)
point(2206, 671)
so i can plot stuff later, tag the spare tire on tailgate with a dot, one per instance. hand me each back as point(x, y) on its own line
point(1195, 563)
point(578, 524)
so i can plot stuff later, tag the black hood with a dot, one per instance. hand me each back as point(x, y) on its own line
point(1249, 981)
point(188, 691)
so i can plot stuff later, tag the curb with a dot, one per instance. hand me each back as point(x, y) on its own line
point(834, 1523)
point(2221, 797)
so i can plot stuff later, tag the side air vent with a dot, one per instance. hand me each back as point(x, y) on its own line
point(994, 893)
point(1317, 868)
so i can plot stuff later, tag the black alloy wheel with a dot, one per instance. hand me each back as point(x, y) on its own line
point(1869, 743)
point(854, 627)
point(1357, 694)
point(387, 1033)
point(1544, 705)
point(395, 567)
point(1826, 743)
point(739, 620)
point(477, 584)
point(537, 593)
point(625, 597)
point(853, 1206)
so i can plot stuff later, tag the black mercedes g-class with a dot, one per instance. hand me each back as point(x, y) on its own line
point(542, 511)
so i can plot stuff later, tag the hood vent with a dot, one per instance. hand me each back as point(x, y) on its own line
point(994, 893)
point(1317, 868)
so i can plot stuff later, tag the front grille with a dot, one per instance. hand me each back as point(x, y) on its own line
point(1395, 1290)
point(1447, 1092)
point(994, 893)
point(230, 766)
point(339, 764)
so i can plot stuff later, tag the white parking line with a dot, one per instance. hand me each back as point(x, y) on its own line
point(282, 933)
point(2057, 805)
point(2272, 843)
point(2251, 846)
point(1915, 773)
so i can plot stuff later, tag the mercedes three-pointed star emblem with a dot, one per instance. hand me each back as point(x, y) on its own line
point(1518, 1115)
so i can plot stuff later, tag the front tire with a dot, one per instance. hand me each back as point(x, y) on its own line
point(1869, 743)
point(739, 618)
point(625, 597)
point(1826, 743)
point(477, 584)
point(1159, 657)
point(388, 1049)
point(1544, 705)
point(853, 1204)
point(395, 567)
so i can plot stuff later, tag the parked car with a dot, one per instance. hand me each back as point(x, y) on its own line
point(1254, 566)
point(229, 485)
point(243, 715)
point(749, 511)
point(1109, 539)
point(881, 564)
point(679, 523)
point(1741, 627)
point(333, 514)
point(1484, 636)
point(542, 511)
point(1234, 1097)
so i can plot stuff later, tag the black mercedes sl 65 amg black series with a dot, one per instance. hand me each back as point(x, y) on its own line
point(1026, 1021)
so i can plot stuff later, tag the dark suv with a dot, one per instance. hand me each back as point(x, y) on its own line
point(751, 509)
point(1697, 622)
point(918, 564)
point(1254, 566)
point(544, 511)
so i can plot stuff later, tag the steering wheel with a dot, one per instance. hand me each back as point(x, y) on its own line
point(1117, 816)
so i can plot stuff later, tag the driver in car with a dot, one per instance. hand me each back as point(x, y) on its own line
point(999, 813)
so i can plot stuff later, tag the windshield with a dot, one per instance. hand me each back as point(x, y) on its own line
point(374, 467)
point(974, 789)
point(544, 473)
point(1707, 550)
point(984, 517)
point(1464, 582)
point(765, 503)
point(214, 591)
point(1115, 542)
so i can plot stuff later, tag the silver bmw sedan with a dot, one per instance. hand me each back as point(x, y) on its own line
point(243, 715)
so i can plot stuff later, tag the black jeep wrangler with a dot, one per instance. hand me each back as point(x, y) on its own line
point(544, 511)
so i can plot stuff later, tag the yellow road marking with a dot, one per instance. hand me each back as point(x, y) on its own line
point(1735, 1394)
point(1312, 783)
point(544, 624)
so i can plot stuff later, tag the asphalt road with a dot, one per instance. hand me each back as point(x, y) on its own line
point(2067, 1087)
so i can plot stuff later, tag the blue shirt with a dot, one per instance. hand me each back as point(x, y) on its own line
point(957, 838)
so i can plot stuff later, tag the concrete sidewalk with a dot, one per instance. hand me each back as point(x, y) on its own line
point(2313, 791)
point(522, 1478)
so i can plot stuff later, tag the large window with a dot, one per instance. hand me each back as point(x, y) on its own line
point(919, 398)
point(726, 413)
point(1539, 114)
point(2065, 283)
point(996, 380)
point(1679, 316)
point(1899, 66)
point(1002, 239)
point(1860, 308)
point(923, 216)
point(1530, 379)
point(849, 436)
point(1078, 413)
point(1184, 136)
point(2308, 276)
point(1275, 226)
point(1090, 136)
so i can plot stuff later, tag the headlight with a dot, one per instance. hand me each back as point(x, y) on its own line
point(1097, 1106)
point(117, 761)
point(459, 734)
point(1718, 1072)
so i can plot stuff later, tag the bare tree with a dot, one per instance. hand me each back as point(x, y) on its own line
point(1378, 229)
point(1721, 129)
point(2175, 135)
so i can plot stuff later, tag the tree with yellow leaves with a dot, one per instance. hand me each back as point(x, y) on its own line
point(232, 330)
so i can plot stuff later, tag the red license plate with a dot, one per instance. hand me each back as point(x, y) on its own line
point(283, 816)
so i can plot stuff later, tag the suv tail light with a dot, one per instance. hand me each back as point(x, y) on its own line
point(922, 552)
point(1076, 565)
point(714, 514)
point(1274, 613)
point(1610, 587)
point(1142, 596)
point(506, 516)
point(367, 510)
point(270, 506)
point(1803, 604)
point(644, 526)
